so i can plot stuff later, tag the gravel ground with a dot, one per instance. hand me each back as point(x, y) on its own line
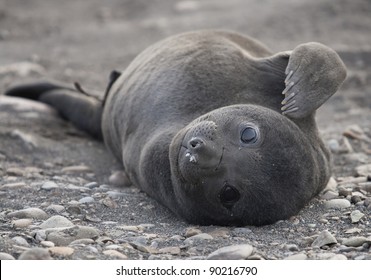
point(60, 193)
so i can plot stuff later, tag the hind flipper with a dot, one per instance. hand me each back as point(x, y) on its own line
point(313, 74)
point(83, 111)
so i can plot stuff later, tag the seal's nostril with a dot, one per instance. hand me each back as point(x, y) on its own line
point(195, 143)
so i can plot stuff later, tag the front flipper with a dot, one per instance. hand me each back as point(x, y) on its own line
point(313, 74)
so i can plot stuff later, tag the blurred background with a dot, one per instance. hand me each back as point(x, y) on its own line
point(84, 40)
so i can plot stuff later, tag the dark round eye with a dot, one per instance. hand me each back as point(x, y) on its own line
point(249, 135)
point(229, 195)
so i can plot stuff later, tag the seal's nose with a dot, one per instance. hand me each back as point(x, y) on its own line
point(195, 144)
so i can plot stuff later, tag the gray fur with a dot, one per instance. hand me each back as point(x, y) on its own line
point(175, 118)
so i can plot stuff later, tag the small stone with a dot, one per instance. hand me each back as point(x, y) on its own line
point(20, 241)
point(344, 192)
point(15, 171)
point(76, 169)
point(220, 232)
point(300, 256)
point(119, 178)
point(130, 228)
point(331, 185)
point(16, 185)
point(56, 208)
point(61, 251)
point(35, 254)
point(84, 241)
point(32, 213)
point(355, 199)
point(355, 241)
point(56, 222)
point(110, 203)
point(324, 238)
point(356, 216)
point(198, 237)
point(170, 250)
point(22, 223)
point(47, 244)
point(330, 195)
point(353, 230)
point(338, 257)
point(49, 186)
point(364, 170)
point(6, 256)
point(115, 254)
point(114, 194)
point(234, 252)
point(91, 185)
point(64, 236)
point(87, 199)
point(337, 204)
point(74, 209)
point(291, 247)
point(192, 231)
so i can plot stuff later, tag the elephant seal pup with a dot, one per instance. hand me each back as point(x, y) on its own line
point(213, 125)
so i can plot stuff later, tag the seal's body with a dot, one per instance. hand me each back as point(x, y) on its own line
point(213, 125)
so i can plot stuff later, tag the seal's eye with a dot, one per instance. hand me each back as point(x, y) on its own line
point(229, 195)
point(249, 135)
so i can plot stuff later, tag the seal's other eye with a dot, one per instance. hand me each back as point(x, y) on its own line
point(249, 135)
point(229, 195)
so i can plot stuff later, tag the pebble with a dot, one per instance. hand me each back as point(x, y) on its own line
point(56, 222)
point(109, 202)
point(15, 171)
point(192, 231)
point(330, 195)
point(344, 192)
point(339, 257)
point(76, 169)
point(32, 213)
point(198, 237)
point(131, 228)
point(234, 252)
point(20, 241)
point(356, 216)
point(91, 185)
point(114, 194)
point(83, 241)
point(324, 238)
point(74, 209)
point(291, 247)
point(355, 241)
point(220, 232)
point(61, 251)
point(6, 256)
point(48, 186)
point(119, 178)
point(339, 203)
point(14, 185)
point(47, 244)
point(300, 256)
point(35, 254)
point(115, 254)
point(87, 199)
point(64, 236)
point(22, 223)
point(170, 250)
point(353, 230)
point(56, 208)
point(364, 170)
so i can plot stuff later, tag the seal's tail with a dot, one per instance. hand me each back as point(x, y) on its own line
point(73, 104)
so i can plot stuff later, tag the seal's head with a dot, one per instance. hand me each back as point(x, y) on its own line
point(242, 165)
